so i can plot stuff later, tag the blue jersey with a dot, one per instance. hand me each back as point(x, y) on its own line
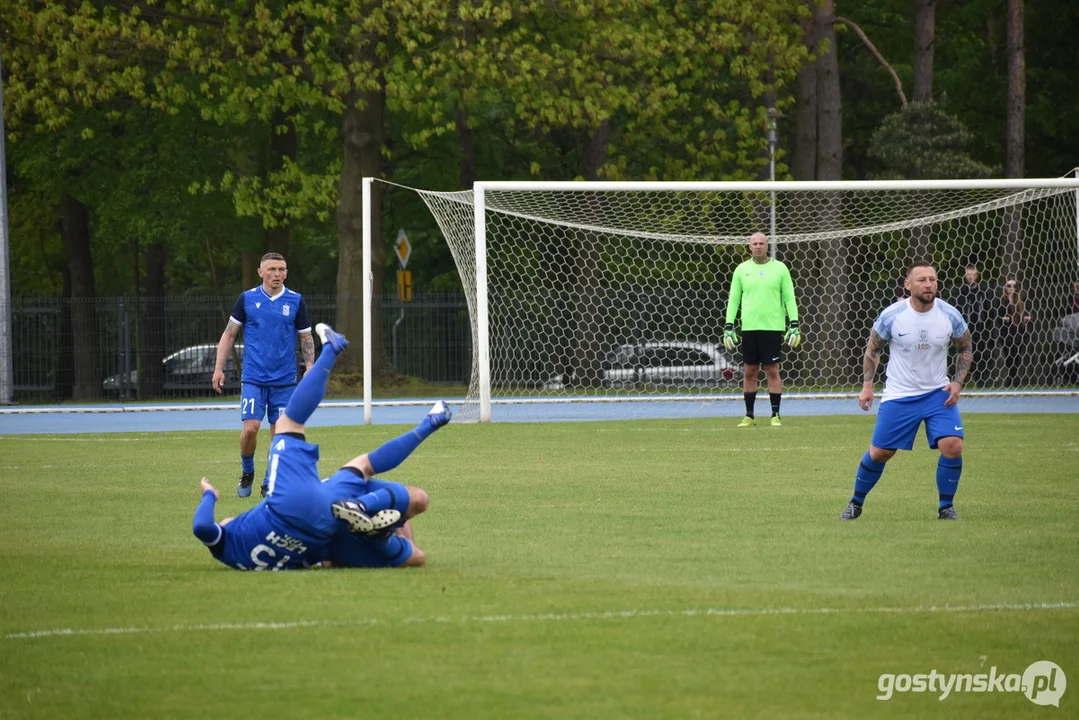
point(260, 540)
point(270, 325)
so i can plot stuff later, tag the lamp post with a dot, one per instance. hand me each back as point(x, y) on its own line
point(772, 115)
point(7, 387)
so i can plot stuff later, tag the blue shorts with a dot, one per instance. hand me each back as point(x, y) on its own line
point(348, 484)
point(365, 552)
point(297, 494)
point(898, 421)
point(294, 490)
point(258, 401)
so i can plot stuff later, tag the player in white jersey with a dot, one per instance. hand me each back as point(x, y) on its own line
point(918, 331)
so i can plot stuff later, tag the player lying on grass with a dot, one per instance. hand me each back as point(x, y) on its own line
point(295, 525)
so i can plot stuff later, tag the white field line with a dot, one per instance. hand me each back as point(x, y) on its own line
point(547, 617)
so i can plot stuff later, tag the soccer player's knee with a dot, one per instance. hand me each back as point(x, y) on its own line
point(417, 500)
point(285, 424)
point(362, 463)
point(951, 447)
point(417, 559)
point(880, 455)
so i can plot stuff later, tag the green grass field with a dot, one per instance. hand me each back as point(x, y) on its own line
point(645, 569)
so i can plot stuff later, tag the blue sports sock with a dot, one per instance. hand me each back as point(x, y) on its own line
point(393, 452)
point(948, 472)
point(312, 387)
point(868, 474)
point(247, 463)
point(204, 527)
point(378, 500)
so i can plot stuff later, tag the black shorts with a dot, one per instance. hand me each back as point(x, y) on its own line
point(762, 347)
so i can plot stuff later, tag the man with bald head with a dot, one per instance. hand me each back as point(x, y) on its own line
point(762, 291)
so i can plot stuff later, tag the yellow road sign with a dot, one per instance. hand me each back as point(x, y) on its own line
point(403, 248)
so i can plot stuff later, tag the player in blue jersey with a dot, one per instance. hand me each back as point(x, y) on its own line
point(271, 316)
point(918, 331)
point(293, 527)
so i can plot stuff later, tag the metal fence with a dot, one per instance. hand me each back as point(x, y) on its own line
point(429, 338)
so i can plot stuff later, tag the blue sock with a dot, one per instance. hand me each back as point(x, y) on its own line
point(377, 500)
point(948, 472)
point(312, 387)
point(868, 474)
point(203, 525)
point(393, 452)
point(247, 463)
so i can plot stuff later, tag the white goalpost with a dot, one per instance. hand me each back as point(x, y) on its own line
point(616, 291)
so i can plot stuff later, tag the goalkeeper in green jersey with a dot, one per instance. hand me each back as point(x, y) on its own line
point(761, 288)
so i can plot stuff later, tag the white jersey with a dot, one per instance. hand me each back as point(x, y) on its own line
point(918, 346)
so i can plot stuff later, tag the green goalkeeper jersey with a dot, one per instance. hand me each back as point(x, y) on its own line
point(765, 293)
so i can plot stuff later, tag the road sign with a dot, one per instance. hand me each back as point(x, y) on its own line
point(404, 285)
point(403, 248)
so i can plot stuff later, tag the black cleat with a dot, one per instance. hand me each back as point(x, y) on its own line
point(852, 512)
point(947, 513)
point(244, 488)
point(359, 522)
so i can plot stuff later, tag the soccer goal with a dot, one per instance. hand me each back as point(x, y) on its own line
point(616, 291)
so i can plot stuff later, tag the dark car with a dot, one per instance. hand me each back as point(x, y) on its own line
point(190, 369)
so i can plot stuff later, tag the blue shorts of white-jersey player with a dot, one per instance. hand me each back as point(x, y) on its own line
point(295, 525)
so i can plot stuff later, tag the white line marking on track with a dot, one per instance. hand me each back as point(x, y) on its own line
point(548, 617)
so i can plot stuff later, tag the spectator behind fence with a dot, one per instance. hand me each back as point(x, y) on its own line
point(1014, 320)
point(973, 300)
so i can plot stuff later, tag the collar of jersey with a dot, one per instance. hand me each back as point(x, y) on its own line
point(273, 297)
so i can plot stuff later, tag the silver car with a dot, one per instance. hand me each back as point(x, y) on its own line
point(670, 363)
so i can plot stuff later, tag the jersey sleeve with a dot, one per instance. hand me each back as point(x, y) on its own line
point(959, 324)
point(239, 312)
point(735, 299)
point(787, 295)
point(203, 525)
point(303, 324)
point(883, 325)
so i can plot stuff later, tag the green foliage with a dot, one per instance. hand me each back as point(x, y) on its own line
point(923, 141)
point(159, 115)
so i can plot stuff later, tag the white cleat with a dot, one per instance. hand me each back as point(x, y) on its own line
point(440, 414)
point(329, 337)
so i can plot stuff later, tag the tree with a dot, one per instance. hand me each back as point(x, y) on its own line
point(924, 32)
point(922, 141)
point(1017, 91)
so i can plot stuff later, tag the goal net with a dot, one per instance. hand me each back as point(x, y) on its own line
point(608, 292)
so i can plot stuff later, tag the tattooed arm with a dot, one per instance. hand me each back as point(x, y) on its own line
point(873, 350)
point(964, 356)
point(307, 349)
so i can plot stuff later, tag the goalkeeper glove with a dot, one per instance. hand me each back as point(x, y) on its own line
point(793, 338)
point(730, 338)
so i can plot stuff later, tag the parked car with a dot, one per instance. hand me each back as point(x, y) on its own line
point(189, 369)
point(675, 363)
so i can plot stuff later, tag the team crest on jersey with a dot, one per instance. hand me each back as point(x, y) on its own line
point(285, 311)
point(923, 335)
point(258, 305)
